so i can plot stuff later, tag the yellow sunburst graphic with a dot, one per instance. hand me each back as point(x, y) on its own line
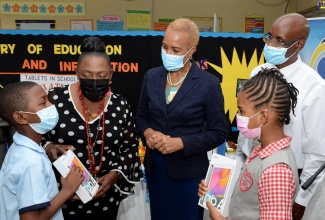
point(231, 71)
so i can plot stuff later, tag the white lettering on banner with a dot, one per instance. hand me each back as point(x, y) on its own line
point(67, 78)
point(48, 81)
point(33, 78)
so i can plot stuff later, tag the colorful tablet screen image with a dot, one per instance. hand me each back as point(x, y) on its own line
point(218, 185)
point(88, 181)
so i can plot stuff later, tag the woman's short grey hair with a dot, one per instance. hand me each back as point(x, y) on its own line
point(186, 25)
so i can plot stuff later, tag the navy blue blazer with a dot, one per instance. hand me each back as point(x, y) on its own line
point(196, 115)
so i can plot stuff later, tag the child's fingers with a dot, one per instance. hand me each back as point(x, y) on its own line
point(214, 213)
point(76, 174)
point(203, 183)
point(200, 194)
point(210, 206)
point(202, 188)
point(75, 167)
point(76, 170)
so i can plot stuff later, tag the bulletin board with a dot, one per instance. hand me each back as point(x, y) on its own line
point(254, 24)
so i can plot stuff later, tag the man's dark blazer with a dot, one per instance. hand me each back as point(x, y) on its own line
point(196, 115)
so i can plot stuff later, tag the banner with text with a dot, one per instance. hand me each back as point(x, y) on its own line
point(50, 59)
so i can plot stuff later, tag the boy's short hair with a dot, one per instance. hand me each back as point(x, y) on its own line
point(13, 98)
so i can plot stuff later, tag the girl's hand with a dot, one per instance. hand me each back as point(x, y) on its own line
point(203, 188)
point(214, 213)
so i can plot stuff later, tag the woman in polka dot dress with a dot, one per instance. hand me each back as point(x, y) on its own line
point(98, 124)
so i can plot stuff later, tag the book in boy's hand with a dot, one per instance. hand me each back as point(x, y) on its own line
point(89, 186)
point(221, 179)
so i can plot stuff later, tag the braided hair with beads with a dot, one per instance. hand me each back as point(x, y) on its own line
point(270, 87)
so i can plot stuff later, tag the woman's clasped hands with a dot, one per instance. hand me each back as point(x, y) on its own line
point(163, 143)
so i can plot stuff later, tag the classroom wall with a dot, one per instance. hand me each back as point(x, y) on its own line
point(305, 4)
point(232, 12)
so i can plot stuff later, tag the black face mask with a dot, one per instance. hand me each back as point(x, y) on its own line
point(94, 89)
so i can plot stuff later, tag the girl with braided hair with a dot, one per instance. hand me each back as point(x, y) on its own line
point(268, 182)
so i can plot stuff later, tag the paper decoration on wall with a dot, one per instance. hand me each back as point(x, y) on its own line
point(254, 24)
point(81, 24)
point(162, 24)
point(35, 24)
point(111, 18)
point(43, 8)
point(110, 26)
point(138, 20)
point(110, 23)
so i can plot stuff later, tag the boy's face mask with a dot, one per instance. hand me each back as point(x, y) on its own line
point(49, 118)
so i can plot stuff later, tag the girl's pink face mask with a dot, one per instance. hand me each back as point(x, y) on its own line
point(242, 125)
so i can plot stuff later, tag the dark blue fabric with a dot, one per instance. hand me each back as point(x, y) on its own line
point(172, 199)
point(196, 115)
point(34, 207)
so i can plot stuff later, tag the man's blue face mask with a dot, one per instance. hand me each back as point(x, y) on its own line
point(275, 55)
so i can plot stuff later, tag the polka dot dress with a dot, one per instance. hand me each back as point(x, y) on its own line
point(120, 149)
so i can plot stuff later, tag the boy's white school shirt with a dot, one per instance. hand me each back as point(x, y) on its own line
point(27, 180)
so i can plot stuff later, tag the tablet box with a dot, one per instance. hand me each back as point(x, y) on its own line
point(89, 186)
point(221, 178)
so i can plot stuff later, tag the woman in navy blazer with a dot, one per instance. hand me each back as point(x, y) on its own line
point(180, 117)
